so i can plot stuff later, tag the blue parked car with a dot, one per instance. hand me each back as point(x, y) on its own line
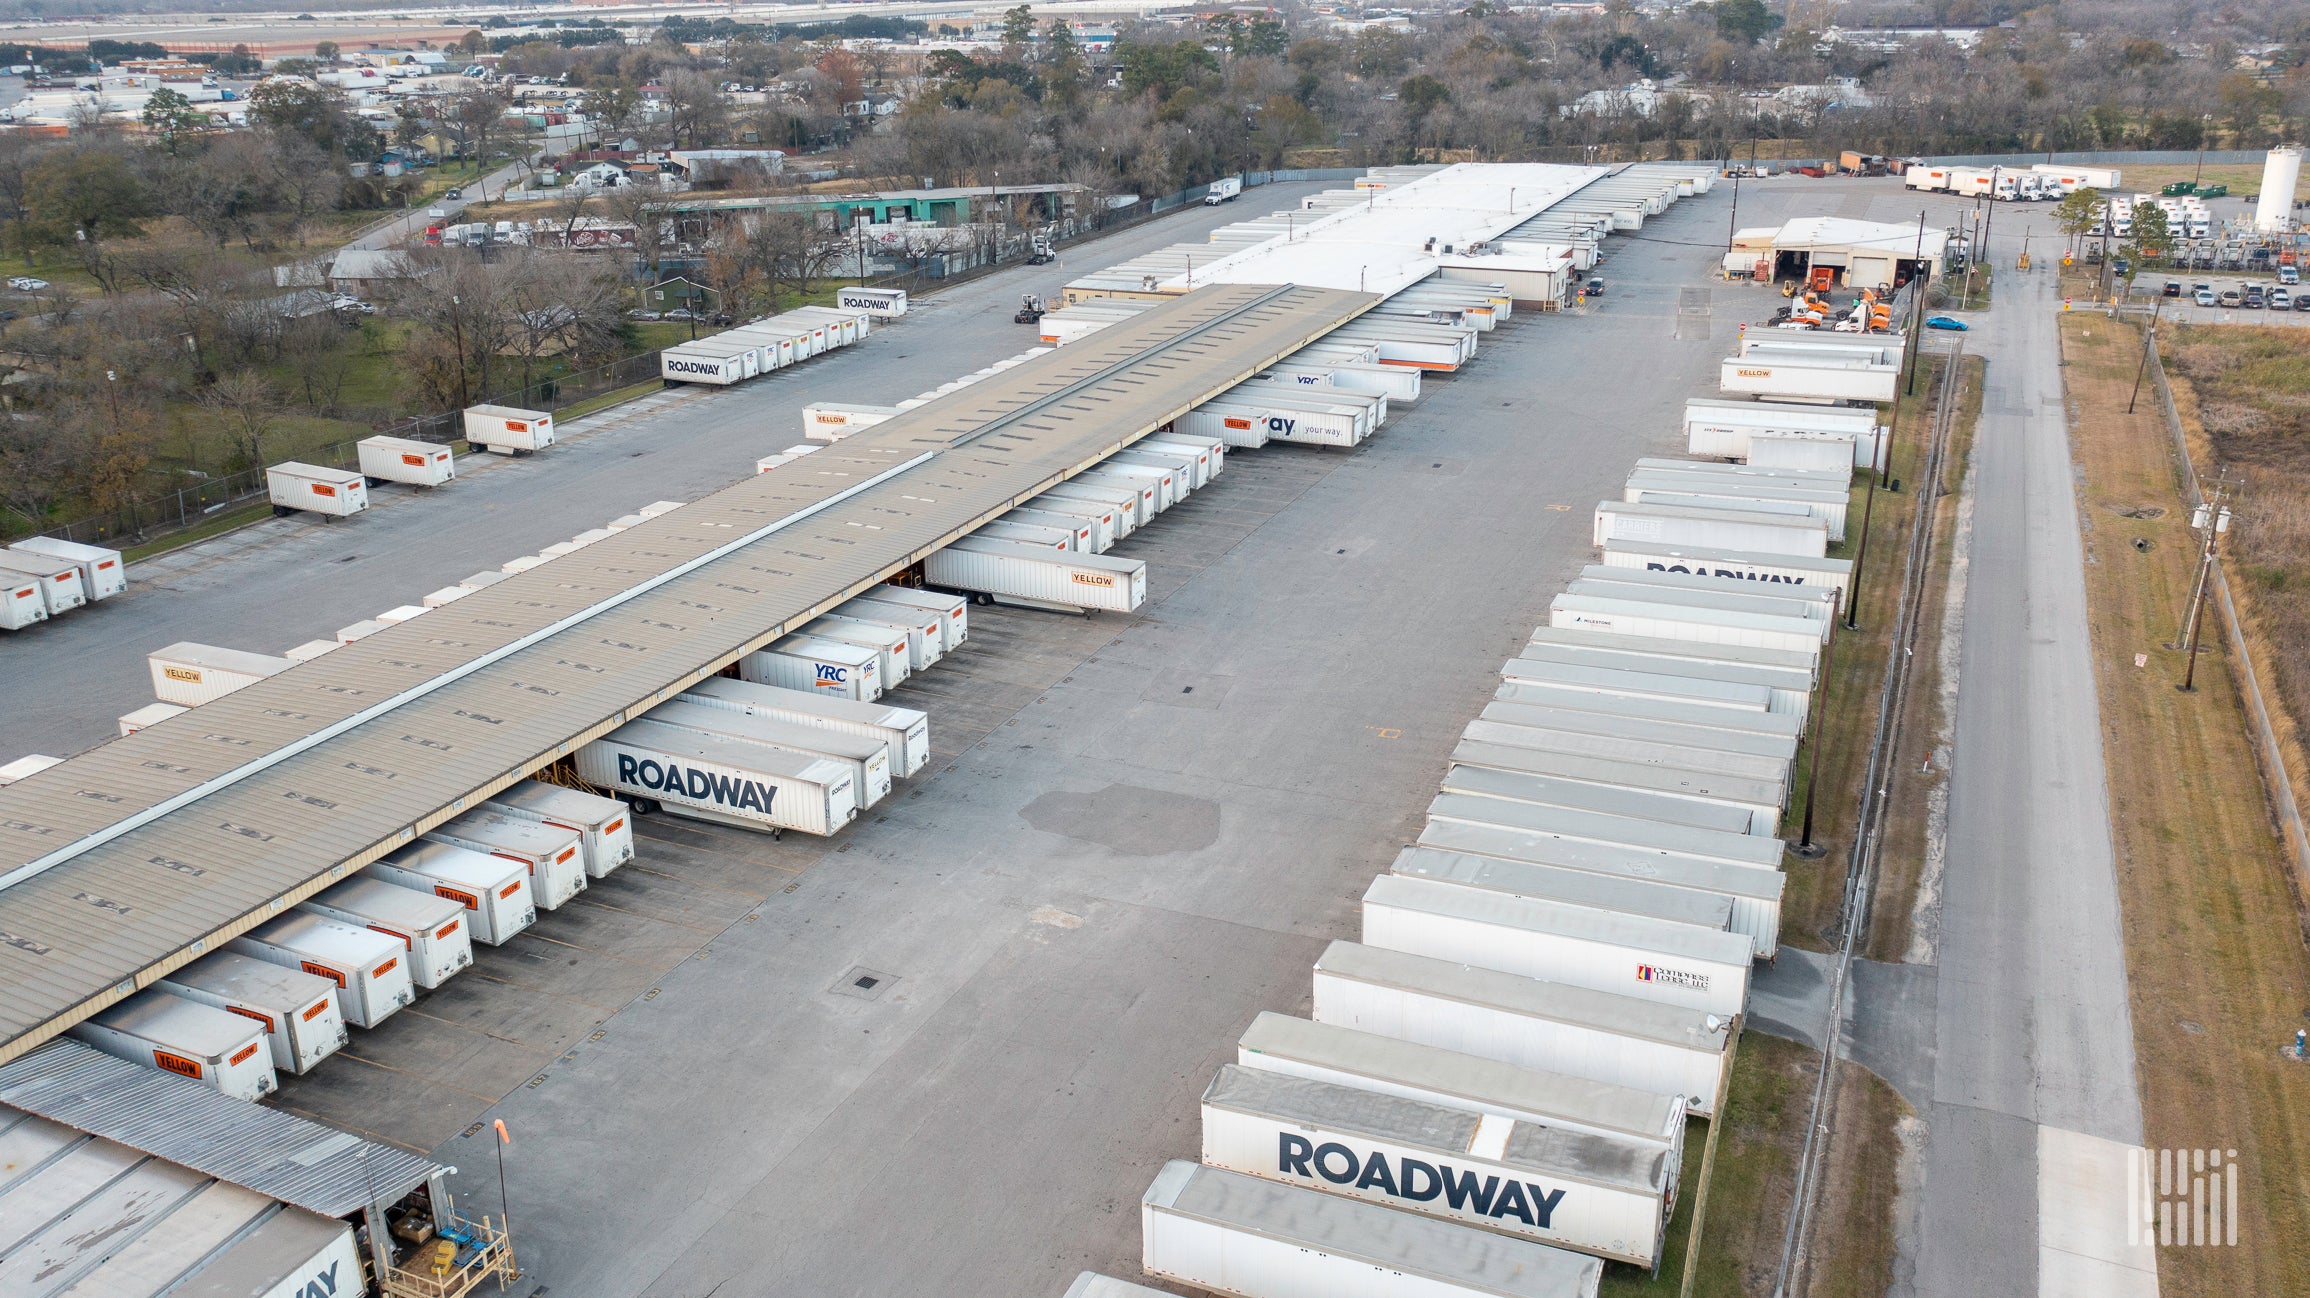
point(1946, 322)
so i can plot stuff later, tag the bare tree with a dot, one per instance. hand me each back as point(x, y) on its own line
point(247, 409)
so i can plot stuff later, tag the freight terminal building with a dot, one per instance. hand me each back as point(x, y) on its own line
point(1865, 254)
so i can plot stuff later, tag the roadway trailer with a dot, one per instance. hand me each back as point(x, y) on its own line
point(708, 777)
point(1552, 1027)
point(1769, 570)
point(1574, 1190)
point(1674, 964)
point(331, 493)
point(494, 890)
point(432, 930)
point(604, 826)
point(370, 970)
point(1705, 590)
point(220, 1050)
point(903, 732)
point(1234, 1234)
point(103, 574)
point(297, 1010)
point(551, 853)
point(1018, 574)
point(188, 674)
point(398, 459)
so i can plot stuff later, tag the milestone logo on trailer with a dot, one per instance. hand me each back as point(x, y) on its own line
point(735, 792)
point(1418, 1182)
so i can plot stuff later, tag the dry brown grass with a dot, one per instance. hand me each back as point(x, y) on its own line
point(1853, 1245)
point(2216, 968)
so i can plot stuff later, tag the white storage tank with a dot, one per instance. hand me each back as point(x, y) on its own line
point(333, 493)
point(103, 573)
point(904, 732)
point(745, 785)
point(1576, 1190)
point(868, 758)
point(604, 826)
point(432, 930)
point(57, 580)
point(189, 674)
point(494, 890)
point(1236, 1234)
point(297, 1010)
point(152, 714)
point(835, 668)
point(1554, 1027)
point(371, 970)
point(551, 853)
point(1020, 574)
point(398, 459)
point(507, 430)
point(1675, 964)
point(223, 1051)
point(2281, 171)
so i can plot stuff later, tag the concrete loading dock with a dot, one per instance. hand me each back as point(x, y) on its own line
point(1576, 1031)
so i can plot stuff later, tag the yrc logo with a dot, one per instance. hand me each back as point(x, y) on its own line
point(829, 674)
point(2182, 1197)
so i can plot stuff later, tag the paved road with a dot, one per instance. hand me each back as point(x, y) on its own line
point(285, 581)
point(413, 223)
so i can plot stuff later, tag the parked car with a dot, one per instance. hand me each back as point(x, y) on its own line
point(638, 314)
point(2173, 288)
point(1594, 288)
point(454, 193)
point(1949, 322)
point(2253, 297)
point(2289, 274)
point(2205, 297)
point(2232, 297)
point(2281, 300)
point(348, 302)
point(27, 283)
point(2302, 301)
point(680, 313)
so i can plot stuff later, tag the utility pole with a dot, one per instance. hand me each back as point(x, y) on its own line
point(2149, 340)
point(2213, 519)
point(1917, 301)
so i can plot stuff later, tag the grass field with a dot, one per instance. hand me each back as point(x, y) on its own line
point(2216, 967)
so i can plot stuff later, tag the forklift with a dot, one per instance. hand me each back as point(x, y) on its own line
point(1030, 310)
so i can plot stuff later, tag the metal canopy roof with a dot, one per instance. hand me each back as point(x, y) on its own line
point(292, 1159)
point(141, 854)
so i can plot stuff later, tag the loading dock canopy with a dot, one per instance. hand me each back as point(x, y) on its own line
point(137, 856)
point(1868, 251)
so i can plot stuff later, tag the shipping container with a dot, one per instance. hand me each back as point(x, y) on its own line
point(494, 890)
point(1760, 799)
point(1737, 565)
point(431, 930)
point(721, 780)
point(1327, 1052)
point(1083, 530)
point(1130, 503)
point(370, 970)
point(21, 605)
point(1048, 538)
point(1599, 827)
point(1716, 529)
point(719, 364)
point(297, 1010)
point(508, 430)
point(1252, 1238)
point(552, 854)
point(904, 732)
point(925, 631)
point(954, 608)
point(892, 643)
point(333, 493)
point(1639, 684)
point(1675, 964)
point(1018, 574)
point(103, 573)
point(1572, 1189)
point(604, 826)
point(835, 668)
point(1603, 799)
point(1717, 427)
point(1108, 522)
point(1211, 452)
point(398, 459)
point(1805, 379)
point(151, 714)
point(1752, 891)
point(1684, 622)
point(1575, 1031)
point(189, 674)
point(223, 1051)
point(868, 757)
point(57, 580)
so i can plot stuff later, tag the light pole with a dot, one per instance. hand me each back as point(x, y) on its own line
point(2205, 125)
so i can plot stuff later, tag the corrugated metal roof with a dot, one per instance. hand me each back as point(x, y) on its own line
point(118, 914)
point(277, 1154)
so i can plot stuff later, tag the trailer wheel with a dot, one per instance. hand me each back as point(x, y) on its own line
point(282, 511)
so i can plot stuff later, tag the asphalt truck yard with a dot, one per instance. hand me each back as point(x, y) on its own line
point(947, 1049)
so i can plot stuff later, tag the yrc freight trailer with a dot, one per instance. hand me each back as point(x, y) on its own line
point(604, 827)
point(297, 1010)
point(1675, 964)
point(431, 930)
point(868, 759)
point(551, 854)
point(834, 668)
point(1724, 529)
point(57, 580)
point(333, 493)
point(1553, 1027)
point(903, 732)
point(1241, 1235)
point(893, 648)
point(189, 674)
point(494, 890)
point(1567, 1188)
point(1019, 574)
point(398, 459)
point(1752, 892)
point(102, 572)
point(222, 1051)
point(745, 785)
point(1743, 565)
point(507, 430)
point(371, 970)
